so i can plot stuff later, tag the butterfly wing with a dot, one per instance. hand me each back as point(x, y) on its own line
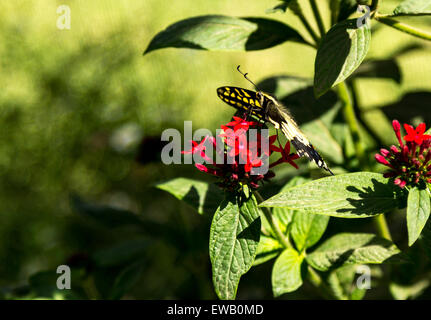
point(274, 112)
point(290, 129)
point(242, 99)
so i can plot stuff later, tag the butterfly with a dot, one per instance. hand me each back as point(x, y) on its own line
point(267, 108)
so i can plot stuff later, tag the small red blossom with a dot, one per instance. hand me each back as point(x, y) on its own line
point(410, 162)
point(416, 135)
point(239, 155)
point(286, 156)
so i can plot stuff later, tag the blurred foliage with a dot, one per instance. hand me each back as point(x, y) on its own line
point(79, 107)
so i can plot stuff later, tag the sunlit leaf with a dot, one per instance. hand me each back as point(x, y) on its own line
point(342, 50)
point(216, 32)
point(418, 212)
point(351, 248)
point(352, 195)
point(202, 196)
point(286, 273)
point(234, 238)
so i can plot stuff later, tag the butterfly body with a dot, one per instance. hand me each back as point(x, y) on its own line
point(267, 108)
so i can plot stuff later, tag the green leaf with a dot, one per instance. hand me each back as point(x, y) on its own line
point(418, 212)
point(234, 239)
point(127, 278)
point(267, 249)
point(215, 32)
point(413, 7)
point(284, 215)
point(105, 215)
point(202, 196)
point(352, 195)
point(122, 253)
point(307, 229)
point(410, 291)
point(341, 282)
point(286, 273)
point(351, 248)
point(342, 50)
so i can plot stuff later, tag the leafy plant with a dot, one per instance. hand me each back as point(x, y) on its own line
point(289, 227)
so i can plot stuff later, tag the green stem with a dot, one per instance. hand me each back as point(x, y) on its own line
point(382, 226)
point(318, 17)
point(317, 281)
point(349, 115)
point(274, 225)
point(404, 27)
point(307, 26)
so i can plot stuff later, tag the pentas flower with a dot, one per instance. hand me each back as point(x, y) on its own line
point(410, 162)
point(240, 156)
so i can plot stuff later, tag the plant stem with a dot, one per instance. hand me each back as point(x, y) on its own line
point(317, 281)
point(382, 226)
point(274, 225)
point(318, 17)
point(307, 26)
point(349, 115)
point(404, 27)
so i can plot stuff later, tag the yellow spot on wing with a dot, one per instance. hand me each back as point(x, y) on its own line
point(245, 93)
point(245, 100)
point(258, 104)
point(237, 91)
point(232, 95)
point(226, 93)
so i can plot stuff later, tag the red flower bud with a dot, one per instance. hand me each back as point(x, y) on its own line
point(381, 159)
point(384, 152)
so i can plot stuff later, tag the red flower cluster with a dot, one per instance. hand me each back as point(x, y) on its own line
point(410, 162)
point(239, 155)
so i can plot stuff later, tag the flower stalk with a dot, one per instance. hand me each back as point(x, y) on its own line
point(350, 117)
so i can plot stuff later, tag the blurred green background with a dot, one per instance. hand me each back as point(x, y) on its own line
point(78, 107)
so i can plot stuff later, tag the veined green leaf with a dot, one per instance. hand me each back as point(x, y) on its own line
point(342, 50)
point(234, 239)
point(216, 32)
point(202, 196)
point(413, 7)
point(418, 212)
point(307, 229)
point(352, 195)
point(351, 248)
point(286, 273)
point(267, 249)
point(285, 215)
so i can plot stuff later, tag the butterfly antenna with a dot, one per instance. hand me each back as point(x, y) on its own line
point(245, 76)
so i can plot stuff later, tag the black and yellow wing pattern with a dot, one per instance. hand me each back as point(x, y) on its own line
point(267, 108)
